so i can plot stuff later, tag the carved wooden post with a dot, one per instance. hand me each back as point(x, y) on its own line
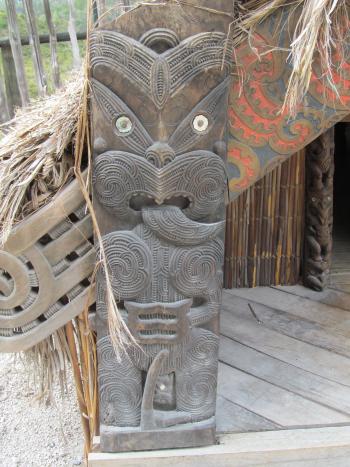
point(159, 101)
point(319, 210)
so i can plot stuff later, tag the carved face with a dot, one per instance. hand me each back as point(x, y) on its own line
point(156, 141)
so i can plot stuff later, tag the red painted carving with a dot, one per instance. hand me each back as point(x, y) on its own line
point(259, 131)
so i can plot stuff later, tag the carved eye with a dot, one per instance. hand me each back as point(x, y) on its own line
point(123, 124)
point(200, 123)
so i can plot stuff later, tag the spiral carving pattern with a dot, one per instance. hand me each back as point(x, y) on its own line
point(113, 187)
point(120, 387)
point(193, 271)
point(197, 381)
point(129, 261)
point(198, 175)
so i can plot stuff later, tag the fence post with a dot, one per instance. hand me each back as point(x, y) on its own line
point(53, 44)
point(10, 77)
point(73, 35)
point(35, 46)
point(4, 110)
point(16, 47)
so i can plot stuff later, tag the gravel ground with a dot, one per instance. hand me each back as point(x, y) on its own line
point(33, 434)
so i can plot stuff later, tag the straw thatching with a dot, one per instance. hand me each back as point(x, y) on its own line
point(36, 153)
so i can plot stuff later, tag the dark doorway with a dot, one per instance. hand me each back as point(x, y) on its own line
point(340, 270)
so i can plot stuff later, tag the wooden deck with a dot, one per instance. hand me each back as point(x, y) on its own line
point(284, 359)
point(284, 384)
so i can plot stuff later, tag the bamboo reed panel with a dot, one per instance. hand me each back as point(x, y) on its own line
point(264, 229)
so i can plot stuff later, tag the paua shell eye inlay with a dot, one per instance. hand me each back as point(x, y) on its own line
point(123, 125)
point(200, 123)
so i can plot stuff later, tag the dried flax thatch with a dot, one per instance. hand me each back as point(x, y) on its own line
point(36, 153)
point(46, 363)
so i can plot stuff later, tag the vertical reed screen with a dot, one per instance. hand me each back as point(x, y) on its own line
point(264, 229)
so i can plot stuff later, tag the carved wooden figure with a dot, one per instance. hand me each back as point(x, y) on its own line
point(319, 210)
point(159, 103)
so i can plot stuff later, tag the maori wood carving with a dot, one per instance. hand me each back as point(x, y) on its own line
point(45, 269)
point(319, 210)
point(159, 101)
point(260, 135)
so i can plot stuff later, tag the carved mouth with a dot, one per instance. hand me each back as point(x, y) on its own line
point(141, 200)
point(157, 332)
point(160, 316)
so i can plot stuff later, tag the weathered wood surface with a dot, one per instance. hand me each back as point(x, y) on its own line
point(170, 215)
point(319, 210)
point(11, 85)
point(4, 110)
point(15, 41)
point(44, 285)
point(274, 341)
point(288, 448)
point(35, 47)
point(292, 393)
point(53, 44)
point(73, 35)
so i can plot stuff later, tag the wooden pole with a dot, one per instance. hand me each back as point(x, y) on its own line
point(11, 84)
point(101, 7)
point(16, 48)
point(4, 111)
point(73, 35)
point(35, 47)
point(53, 45)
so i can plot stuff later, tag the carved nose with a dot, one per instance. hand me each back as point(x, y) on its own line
point(160, 154)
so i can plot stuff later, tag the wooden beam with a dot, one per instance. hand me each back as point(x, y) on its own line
point(316, 446)
point(44, 38)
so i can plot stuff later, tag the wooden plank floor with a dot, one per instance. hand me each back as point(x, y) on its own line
point(284, 359)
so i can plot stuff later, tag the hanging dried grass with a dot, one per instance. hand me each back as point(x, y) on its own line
point(47, 362)
point(321, 29)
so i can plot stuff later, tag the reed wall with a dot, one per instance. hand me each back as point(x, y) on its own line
point(264, 229)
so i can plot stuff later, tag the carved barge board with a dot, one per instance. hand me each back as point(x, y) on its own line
point(160, 85)
point(260, 136)
point(45, 269)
